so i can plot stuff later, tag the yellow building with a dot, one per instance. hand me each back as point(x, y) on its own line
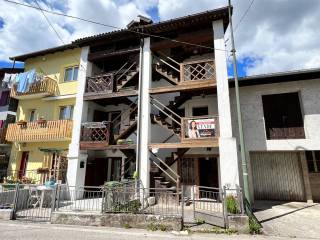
point(43, 131)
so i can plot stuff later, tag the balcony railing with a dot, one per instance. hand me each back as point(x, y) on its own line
point(100, 83)
point(59, 130)
point(197, 70)
point(95, 135)
point(44, 88)
point(199, 128)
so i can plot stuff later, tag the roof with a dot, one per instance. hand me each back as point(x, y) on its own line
point(165, 26)
point(22, 58)
point(278, 77)
point(151, 28)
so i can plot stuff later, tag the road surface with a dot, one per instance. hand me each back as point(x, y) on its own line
point(14, 230)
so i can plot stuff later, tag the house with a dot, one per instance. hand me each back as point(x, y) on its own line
point(156, 107)
point(42, 131)
point(8, 108)
point(281, 116)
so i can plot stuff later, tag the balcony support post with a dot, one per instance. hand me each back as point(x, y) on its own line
point(228, 155)
point(77, 159)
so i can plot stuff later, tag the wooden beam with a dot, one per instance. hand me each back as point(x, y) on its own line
point(93, 96)
point(192, 144)
point(200, 85)
point(196, 37)
point(108, 53)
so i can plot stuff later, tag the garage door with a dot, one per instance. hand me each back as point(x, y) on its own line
point(277, 176)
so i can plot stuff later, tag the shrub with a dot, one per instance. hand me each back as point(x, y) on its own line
point(200, 221)
point(254, 226)
point(152, 227)
point(232, 206)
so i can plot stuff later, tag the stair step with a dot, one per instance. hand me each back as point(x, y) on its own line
point(159, 178)
point(165, 183)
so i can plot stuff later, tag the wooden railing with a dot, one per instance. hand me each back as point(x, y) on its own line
point(197, 70)
point(46, 87)
point(95, 135)
point(100, 83)
point(58, 130)
point(3, 132)
point(199, 128)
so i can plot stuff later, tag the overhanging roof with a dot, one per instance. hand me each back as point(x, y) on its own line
point(278, 77)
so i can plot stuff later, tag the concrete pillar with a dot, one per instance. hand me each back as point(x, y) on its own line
point(77, 159)
point(305, 175)
point(144, 123)
point(229, 170)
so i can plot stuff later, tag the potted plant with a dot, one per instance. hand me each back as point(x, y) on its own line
point(22, 123)
point(41, 121)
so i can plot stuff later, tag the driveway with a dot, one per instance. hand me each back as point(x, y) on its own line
point(289, 219)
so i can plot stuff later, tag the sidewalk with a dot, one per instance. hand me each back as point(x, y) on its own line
point(32, 231)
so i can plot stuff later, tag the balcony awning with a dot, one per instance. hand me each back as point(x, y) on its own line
point(53, 150)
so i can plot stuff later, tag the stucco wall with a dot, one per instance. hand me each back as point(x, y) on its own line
point(253, 119)
point(53, 65)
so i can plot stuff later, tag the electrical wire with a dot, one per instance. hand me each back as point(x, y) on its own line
point(50, 24)
point(113, 27)
point(243, 16)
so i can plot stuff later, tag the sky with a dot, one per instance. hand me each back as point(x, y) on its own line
point(274, 35)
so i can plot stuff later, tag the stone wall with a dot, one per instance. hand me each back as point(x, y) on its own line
point(117, 220)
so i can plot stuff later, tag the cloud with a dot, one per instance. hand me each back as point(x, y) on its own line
point(276, 35)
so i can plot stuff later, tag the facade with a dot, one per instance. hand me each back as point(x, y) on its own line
point(281, 127)
point(8, 108)
point(43, 128)
point(154, 108)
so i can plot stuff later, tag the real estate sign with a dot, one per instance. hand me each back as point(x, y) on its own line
point(201, 128)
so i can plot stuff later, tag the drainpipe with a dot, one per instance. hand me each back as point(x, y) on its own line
point(139, 108)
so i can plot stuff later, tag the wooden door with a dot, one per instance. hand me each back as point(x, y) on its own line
point(23, 164)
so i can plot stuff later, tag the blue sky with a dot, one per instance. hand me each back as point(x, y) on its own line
point(274, 35)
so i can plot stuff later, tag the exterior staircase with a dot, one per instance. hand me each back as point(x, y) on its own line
point(163, 123)
point(125, 74)
point(166, 69)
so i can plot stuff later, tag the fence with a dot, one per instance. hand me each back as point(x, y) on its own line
point(123, 199)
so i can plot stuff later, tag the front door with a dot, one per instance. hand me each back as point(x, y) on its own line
point(208, 172)
point(23, 164)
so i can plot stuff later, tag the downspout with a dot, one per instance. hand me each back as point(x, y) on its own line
point(139, 109)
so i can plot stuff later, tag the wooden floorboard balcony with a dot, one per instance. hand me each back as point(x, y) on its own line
point(47, 131)
point(44, 88)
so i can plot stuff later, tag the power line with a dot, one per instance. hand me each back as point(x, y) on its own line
point(111, 26)
point(243, 16)
point(50, 24)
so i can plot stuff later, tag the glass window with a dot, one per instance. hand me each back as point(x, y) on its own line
point(32, 115)
point(71, 74)
point(66, 112)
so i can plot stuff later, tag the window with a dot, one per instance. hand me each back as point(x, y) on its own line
point(200, 111)
point(32, 115)
point(71, 74)
point(66, 112)
point(313, 160)
point(283, 117)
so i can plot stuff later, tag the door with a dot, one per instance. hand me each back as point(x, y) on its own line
point(23, 164)
point(277, 176)
point(208, 172)
point(96, 172)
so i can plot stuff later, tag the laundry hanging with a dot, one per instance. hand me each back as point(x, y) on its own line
point(25, 80)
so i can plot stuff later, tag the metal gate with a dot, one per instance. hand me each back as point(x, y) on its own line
point(209, 205)
point(277, 176)
point(33, 203)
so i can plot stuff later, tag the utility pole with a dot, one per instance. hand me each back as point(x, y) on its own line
point(239, 115)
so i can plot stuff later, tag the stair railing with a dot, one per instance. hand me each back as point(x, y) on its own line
point(166, 165)
point(175, 180)
point(130, 108)
point(166, 63)
point(126, 71)
point(154, 102)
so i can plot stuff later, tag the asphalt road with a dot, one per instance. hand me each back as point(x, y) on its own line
point(14, 230)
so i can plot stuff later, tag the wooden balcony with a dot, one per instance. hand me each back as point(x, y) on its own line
point(186, 76)
point(59, 130)
point(44, 88)
point(95, 135)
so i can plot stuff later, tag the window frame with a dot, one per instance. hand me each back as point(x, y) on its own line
point(65, 107)
point(72, 73)
point(32, 113)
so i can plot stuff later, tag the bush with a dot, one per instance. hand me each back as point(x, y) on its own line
point(131, 206)
point(254, 226)
point(232, 206)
